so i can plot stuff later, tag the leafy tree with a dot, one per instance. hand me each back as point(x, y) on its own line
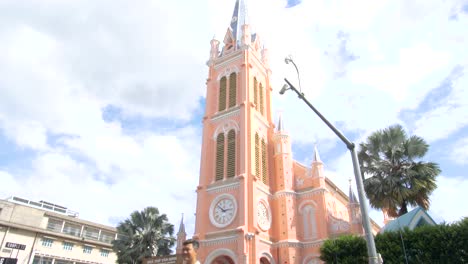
point(397, 177)
point(346, 249)
point(145, 234)
point(426, 244)
point(438, 244)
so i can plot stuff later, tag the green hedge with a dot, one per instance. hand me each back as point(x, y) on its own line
point(427, 244)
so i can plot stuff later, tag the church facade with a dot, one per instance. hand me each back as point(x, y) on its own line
point(255, 203)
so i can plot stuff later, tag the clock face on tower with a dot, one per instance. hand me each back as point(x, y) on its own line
point(223, 210)
point(263, 215)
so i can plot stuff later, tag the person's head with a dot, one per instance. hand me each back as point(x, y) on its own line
point(189, 250)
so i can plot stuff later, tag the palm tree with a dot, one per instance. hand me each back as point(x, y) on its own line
point(144, 234)
point(397, 177)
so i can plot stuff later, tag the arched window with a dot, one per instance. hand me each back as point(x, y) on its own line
point(255, 93)
point(225, 166)
point(257, 155)
point(220, 157)
point(231, 154)
point(222, 94)
point(309, 221)
point(264, 164)
point(232, 89)
point(261, 99)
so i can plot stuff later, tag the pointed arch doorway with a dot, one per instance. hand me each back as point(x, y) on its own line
point(264, 260)
point(222, 260)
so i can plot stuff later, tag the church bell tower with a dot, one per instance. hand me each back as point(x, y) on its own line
point(255, 204)
point(234, 208)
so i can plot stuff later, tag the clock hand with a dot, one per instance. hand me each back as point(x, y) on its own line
point(221, 208)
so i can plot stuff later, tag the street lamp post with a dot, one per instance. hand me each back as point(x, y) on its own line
point(371, 250)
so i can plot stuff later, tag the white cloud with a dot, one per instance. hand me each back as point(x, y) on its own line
point(29, 134)
point(148, 179)
point(447, 200)
point(413, 65)
point(449, 117)
point(115, 56)
point(56, 79)
point(459, 151)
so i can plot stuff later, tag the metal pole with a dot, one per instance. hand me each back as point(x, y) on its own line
point(402, 241)
point(371, 249)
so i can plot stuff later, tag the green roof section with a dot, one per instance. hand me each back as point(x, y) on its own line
point(414, 218)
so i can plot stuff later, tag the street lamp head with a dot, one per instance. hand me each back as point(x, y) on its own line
point(284, 89)
point(287, 60)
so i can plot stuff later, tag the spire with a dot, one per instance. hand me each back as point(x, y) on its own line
point(239, 18)
point(352, 197)
point(316, 154)
point(182, 226)
point(280, 124)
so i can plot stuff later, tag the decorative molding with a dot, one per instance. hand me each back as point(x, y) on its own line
point(227, 71)
point(228, 186)
point(304, 203)
point(280, 136)
point(263, 190)
point(284, 194)
point(299, 195)
point(288, 244)
point(258, 62)
point(249, 236)
point(225, 128)
point(316, 243)
point(297, 244)
point(223, 233)
point(268, 256)
point(219, 241)
point(261, 119)
point(299, 182)
point(227, 60)
point(309, 193)
point(233, 111)
point(268, 242)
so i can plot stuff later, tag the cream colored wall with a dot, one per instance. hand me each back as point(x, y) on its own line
point(6, 210)
point(21, 237)
point(16, 222)
point(28, 216)
point(76, 253)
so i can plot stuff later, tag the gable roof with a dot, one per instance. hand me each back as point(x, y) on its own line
point(412, 219)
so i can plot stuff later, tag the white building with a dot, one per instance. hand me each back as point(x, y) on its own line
point(52, 234)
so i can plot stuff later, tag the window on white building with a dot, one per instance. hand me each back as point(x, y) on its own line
point(91, 233)
point(67, 246)
point(47, 242)
point(62, 261)
point(104, 253)
point(42, 260)
point(107, 237)
point(72, 229)
point(87, 249)
point(54, 225)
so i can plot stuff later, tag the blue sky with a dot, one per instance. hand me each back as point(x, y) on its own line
point(101, 101)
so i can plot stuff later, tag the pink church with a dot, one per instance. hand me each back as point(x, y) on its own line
point(255, 204)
